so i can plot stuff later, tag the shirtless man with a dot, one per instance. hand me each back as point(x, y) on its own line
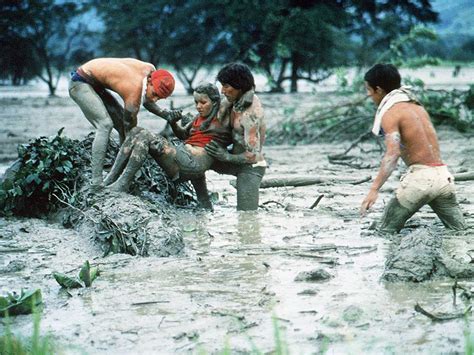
point(409, 134)
point(246, 160)
point(136, 82)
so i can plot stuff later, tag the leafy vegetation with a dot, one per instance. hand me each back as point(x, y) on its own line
point(52, 172)
point(46, 167)
point(23, 303)
point(36, 345)
point(86, 276)
point(353, 118)
point(288, 41)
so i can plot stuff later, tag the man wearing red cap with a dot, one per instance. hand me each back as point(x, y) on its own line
point(136, 82)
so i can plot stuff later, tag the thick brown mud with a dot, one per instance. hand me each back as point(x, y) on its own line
point(238, 274)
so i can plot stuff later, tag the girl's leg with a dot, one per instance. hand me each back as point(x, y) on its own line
point(136, 151)
point(123, 156)
point(202, 194)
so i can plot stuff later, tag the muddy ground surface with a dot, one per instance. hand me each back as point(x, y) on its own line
point(236, 279)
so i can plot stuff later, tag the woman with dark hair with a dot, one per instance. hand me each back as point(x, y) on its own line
point(246, 119)
point(187, 161)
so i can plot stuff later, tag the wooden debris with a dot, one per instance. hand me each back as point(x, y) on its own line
point(316, 202)
point(442, 317)
point(464, 176)
point(295, 181)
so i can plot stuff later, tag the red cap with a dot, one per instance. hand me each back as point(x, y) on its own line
point(163, 83)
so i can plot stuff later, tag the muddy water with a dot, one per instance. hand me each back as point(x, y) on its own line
point(239, 268)
point(238, 273)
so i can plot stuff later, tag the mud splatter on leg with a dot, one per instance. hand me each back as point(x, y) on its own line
point(248, 185)
point(121, 159)
point(136, 148)
point(394, 217)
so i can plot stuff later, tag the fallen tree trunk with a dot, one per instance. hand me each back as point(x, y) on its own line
point(464, 176)
point(304, 181)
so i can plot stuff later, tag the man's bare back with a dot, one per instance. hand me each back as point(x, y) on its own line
point(110, 72)
point(410, 135)
point(419, 144)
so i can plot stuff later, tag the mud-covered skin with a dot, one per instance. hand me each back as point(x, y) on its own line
point(410, 135)
point(172, 159)
point(131, 80)
point(422, 255)
point(248, 135)
point(246, 118)
point(188, 161)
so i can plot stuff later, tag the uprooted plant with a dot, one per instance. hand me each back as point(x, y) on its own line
point(52, 172)
point(85, 278)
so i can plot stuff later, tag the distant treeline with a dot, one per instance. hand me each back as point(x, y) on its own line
point(287, 40)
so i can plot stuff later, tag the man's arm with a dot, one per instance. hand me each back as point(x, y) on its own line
point(129, 117)
point(169, 115)
point(251, 143)
point(388, 164)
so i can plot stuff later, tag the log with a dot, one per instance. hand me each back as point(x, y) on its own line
point(295, 181)
point(464, 176)
point(305, 181)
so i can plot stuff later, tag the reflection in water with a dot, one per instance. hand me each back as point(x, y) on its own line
point(248, 228)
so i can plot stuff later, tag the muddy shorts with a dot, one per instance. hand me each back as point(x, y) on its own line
point(191, 166)
point(422, 185)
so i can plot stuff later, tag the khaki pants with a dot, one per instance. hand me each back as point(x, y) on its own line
point(422, 185)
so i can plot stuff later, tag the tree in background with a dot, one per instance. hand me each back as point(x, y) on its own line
point(137, 28)
point(287, 40)
point(375, 23)
point(18, 62)
point(293, 40)
point(198, 40)
point(39, 34)
point(182, 34)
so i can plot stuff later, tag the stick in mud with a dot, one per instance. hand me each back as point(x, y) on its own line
point(442, 317)
point(316, 202)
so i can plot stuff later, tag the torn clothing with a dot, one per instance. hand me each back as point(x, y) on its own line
point(421, 185)
point(403, 94)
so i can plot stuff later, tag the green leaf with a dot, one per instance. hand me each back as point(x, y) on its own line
point(24, 303)
point(94, 273)
point(67, 281)
point(85, 274)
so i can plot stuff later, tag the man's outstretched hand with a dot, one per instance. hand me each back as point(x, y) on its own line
point(216, 151)
point(368, 202)
point(173, 116)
